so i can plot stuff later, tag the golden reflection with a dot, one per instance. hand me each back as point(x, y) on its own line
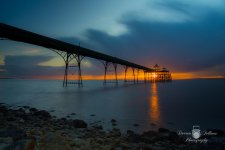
point(154, 104)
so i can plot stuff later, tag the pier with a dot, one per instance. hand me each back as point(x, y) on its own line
point(70, 52)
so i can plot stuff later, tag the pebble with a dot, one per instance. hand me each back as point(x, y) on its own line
point(27, 130)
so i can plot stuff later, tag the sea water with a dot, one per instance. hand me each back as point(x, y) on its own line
point(176, 105)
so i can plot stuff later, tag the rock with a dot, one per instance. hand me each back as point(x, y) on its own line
point(21, 121)
point(33, 109)
point(114, 124)
point(149, 137)
point(23, 144)
point(133, 137)
point(5, 142)
point(13, 133)
point(113, 121)
point(99, 127)
point(20, 112)
point(54, 141)
point(43, 114)
point(130, 132)
point(163, 130)
point(173, 136)
point(26, 107)
point(10, 119)
point(150, 133)
point(115, 132)
point(79, 123)
point(3, 109)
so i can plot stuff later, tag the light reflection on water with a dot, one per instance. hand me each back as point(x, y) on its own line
point(154, 105)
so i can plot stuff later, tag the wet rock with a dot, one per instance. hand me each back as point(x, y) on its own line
point(3, 109)
point(149, 137)
point(12, 132)
point(115, 132)
point(23, 144)
point(54, 141)
point(33, 109)
point(79, 123)
point(163, 130)
point(43, 114)
point(113, 121)
point(10, 119)
point(20, 112)
point(173, 137)
point(130, 132)
point(21, 121)
point(150, 133)
point(26, 107)
point(5, 142)
point(99, 127)
point(133, 137)
point(114, 124)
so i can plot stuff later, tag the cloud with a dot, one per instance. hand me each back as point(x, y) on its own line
point(176, 11)
point(183, 47)
point(185, 36)
point(26, 66)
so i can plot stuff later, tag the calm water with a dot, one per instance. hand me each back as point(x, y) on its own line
point(176, 105)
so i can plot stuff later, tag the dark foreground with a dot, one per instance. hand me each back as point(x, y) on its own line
point(32, 129)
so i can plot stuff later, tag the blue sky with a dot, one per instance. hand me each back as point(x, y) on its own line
point(186, 36)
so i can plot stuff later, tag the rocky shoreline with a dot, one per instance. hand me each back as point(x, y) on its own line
point(31, 129)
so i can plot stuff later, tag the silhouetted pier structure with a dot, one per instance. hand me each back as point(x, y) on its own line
point(70, 52)
point(160, 74)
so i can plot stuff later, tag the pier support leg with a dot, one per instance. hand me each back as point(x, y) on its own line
point(79, 59)
point(115, 69)
point(105, 71)
point(145, 80)
point(66, 69)
point(106, 66)
point(68, 57)
point(134, 74)
point(137, 75)
point(125, 76)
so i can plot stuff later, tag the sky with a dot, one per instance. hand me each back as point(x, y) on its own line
point(187, 36)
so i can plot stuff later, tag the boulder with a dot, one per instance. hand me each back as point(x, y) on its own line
point(163, 130)
point(33, 109)
point(79, 123)
point(113, 121)
point(99, 127)
point(115, 132)
point(43, 114)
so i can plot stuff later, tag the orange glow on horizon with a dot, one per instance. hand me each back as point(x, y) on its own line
point(129, 76)
point(175, 76)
